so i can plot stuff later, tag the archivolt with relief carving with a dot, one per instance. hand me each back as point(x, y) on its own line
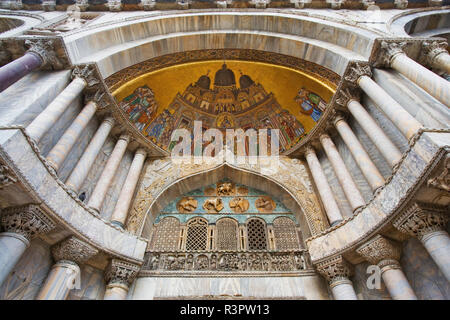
point(160, 174)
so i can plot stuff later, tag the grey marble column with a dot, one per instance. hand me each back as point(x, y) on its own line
point(351, 191)
point(427, 222)
point(86, 161)
point(20, 224)
point(368, 168)
point(119, 215)
point(108, 173)
point(59, 152)
point(326, 195)
point(386, 254)
point(389, 151)
point(119, 275)
point(64, 276)
point(48, 117)
point(337, 272)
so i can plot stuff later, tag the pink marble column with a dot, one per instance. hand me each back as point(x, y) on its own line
point(17, 69)
point(389, 151)
point(59, 152)
point(349, 187)
point(326, 195)
point(108, 173)
point(86, 161)
point(48, 117)
point(120, 212)
point(368, 168)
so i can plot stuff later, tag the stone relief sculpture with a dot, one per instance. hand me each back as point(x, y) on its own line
point(213, 205)
point(187, 204)
point(239, 204)
point(265, 204)
point(225, 189)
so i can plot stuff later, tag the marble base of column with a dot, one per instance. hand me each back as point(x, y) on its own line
point(397, 284)
point(116, 291)
point(17, 69)
point(60, 281)
point(438, 246)
point(12, 246)
point(343, 290)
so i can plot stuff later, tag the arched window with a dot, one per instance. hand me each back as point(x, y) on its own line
point(227, 236)
point(197, 234)
point(256, 235)
point(285, 234)
point(166, 234)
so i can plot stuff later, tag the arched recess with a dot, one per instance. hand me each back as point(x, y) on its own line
point(286, 236)
point(257, 238)
point(197, 234)
point(166, 236)
point(227, 236)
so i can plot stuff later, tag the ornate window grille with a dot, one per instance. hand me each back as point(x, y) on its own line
point(285, 234)
point(165, 237)
point(256, 235)
point(227, 236)
point(197, 234)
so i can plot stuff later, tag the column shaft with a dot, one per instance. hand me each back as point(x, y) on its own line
point(326, 195)
point(17, 69)
point(116, 291)
point(397, 284)
point(119, 215)
point(108, 173)
point(86, 161)
point(12, 246)
point(47, 118)
point(62, 148)
point(368, 168)
point(405, 122)
point(60, 281)
point(442, 61)
point(435, 85)
point(438, 246)
point(389, 151)
point(345, 179)
point(343, 290)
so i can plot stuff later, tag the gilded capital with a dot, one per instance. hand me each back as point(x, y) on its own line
point(74, 250)
point(380, 250)
point(119, 271)
point(335, 269)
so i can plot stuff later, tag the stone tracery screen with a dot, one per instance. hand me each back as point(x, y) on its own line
point(256, 235)
point(285, 234)
point(227, 237)
point(166, 234)
point(197, 234)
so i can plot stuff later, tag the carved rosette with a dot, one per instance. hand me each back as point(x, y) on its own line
point(421, 219)
point(28, 221)
point(431, 49)
point(73, 249)
point(387, 53)
point(355, 71)
point(335, 269)
point(44, 48)
point(87, 73)
point(121, 272)
point(7, 176)
point(381, 251)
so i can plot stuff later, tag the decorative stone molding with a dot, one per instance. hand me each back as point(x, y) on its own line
point(7, 176)
point(442, 181)
point(343, 97)
point(82, 4)
point(44, 48)
point(222, 4)
point(387, 53)
point(356, 71)
point(335, 269)
point(260, 4)
point(421, 218)
point(28, 221)
point(401, 4)
point(431, 49)
point(148, 4)
point(300, 4)
point(87, 73)
point(119, 271)
point(49, 5)
point(381, 251)
point(73, 249)
point(114, 5)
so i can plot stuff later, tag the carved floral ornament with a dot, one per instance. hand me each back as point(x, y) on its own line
point(7, 176)
point(119, 271)
point(355, 71)
point(73, 249)
point(335, 269)
point(381, 251)
point(433, 48)
point(45, 49)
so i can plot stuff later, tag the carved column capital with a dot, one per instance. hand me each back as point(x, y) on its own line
point(28, 220)
point(344, 96)
point(7, 176)
point(431, 49)
point(338, 117)
point(381, 251)
point(421, 218)
point(442, 180)
point(387, 53)
point(335, 269)
point(122, 272)
point(114, 5)
point(309, 149)
point(87, 73)
point(74, 250)
point(44, 48)
point(356, 71)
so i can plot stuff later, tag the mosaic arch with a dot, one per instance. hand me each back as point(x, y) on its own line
point(224, 95)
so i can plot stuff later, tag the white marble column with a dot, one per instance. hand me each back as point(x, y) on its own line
point(326, 195)
point(59, 152)
point(119, 215)
point(81, 170)
point(119, 275)
point(64, 276)
point(48, 117)
point(427, 222)
point(101, 188)
point(386, 254)
point(368, 168)
point(436, 54)
point(337, 272)
point(349, 187)
point(20, 224)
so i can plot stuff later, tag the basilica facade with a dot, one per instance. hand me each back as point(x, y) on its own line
point(351, 98)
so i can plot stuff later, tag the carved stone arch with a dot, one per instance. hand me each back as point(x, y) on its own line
point(166, 235)
point(227, 234)
point(197, 234)
point(257, 238)
point(286, 237)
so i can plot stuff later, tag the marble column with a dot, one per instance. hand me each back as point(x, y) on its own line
point(119, 275)
point(386, 254)
point(337, 272)
point(436, 54)
point(108, 173)
point(427, 222)
point(86, 161)
point(64, 276)
point(48, 117)
point(59, 152)
point(368, 168)
point(17, 69)
point(349, 187)
point(119, 215)
point(21, 225)
point(388, 150)
point(326, 195)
